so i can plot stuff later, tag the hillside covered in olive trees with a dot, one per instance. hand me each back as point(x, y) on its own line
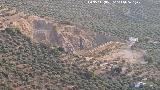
point(29, 65)
point(73, 45)
point(122, 20)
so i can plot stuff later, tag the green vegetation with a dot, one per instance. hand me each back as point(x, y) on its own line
point(57, 51)
point(141, 20)
point(24, 64)
point(29, 65)
point(13, 31)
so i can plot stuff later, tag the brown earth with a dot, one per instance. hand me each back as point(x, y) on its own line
point(74, 39)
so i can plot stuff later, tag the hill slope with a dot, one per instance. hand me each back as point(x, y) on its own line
point(141, 20)
point(29, 65)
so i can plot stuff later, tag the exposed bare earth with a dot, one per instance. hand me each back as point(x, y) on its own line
point(72, 38)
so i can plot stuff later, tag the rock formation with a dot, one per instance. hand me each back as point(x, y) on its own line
point(62, 34)
point(74, 39)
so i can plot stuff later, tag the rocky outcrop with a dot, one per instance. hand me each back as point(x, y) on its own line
point(73, 38)
point(63, 34)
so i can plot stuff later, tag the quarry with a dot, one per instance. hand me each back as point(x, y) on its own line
point(74, 39)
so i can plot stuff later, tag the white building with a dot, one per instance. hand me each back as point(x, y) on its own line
point(139, 84)
point(133, 39)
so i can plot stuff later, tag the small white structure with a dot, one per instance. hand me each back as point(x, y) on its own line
point(133, 39)
point(139, 84)
point(151, 85)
